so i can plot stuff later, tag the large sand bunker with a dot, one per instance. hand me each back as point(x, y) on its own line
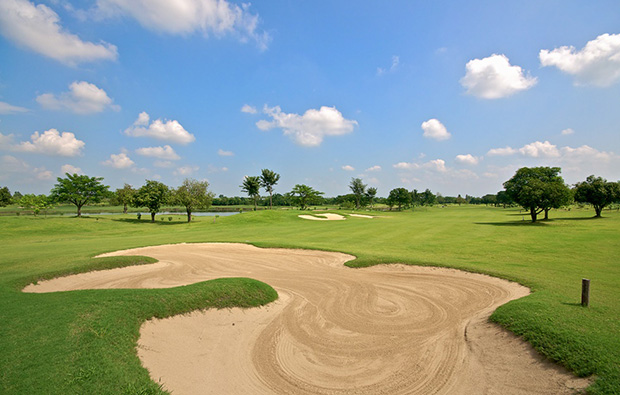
point(389, 329)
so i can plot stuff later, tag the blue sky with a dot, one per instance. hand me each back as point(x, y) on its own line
point(444, 95)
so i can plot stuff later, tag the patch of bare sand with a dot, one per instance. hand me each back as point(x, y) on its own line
point(361, 216)
point(389, 329)
point(326, 217)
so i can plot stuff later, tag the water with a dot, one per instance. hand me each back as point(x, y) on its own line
point(197, 214)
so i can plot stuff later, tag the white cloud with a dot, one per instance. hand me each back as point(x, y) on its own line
point(6, 108)
point(598, 63)
point(540, 150)
point(52, 142)
point(348, 168)
point(567, 132)
point(166, 152)
point(309, 129)
point(374, 168)
point(248, 109)
point(393, 67)
point(435, 130)
point(185, 170)
point(82, 98)
point(468, 159)
point(586, 153)
point(437, 165)
point(494, 77)
point(158, 129)
point(12, 166)
point(38, 29)
point(5, 140)
point(502, 151)
point(119, 161)
point(42, 174)
point(70, 169)
point(221, 152)
point(185, 17)
point(406, 166)
point(163, 163)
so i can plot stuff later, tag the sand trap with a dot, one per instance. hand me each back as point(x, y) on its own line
point(326, 217)
point(389, 329)
point(360, 216)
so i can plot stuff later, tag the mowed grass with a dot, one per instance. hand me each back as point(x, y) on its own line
point(84, 341)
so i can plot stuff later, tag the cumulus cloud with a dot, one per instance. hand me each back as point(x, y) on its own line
point(348, 168)
point(546, 150)
point(309, 129)
point(5, 140)
point(567, 132)
point(82, 98)
point(221, 152)
point(42, 174)
point(540, 150)
point(468, 159)
point(6, 108)
point(433, 129)
point(185, 17)
point(119, 161)
point(598, 63)
point(374, 168)
point(494, 77)
point(12, 166)
point(166, 152)
point(38, 29)
point(248, 109)
point(70, 169)
point(160, 130)
point(502, 151)
point(185, 170)
point(52, 142)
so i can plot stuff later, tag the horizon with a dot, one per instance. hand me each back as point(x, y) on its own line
point(451, 97)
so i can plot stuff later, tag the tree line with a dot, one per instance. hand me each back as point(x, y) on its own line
point(537, 190)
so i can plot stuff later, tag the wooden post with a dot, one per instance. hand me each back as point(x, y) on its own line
point(585, 292)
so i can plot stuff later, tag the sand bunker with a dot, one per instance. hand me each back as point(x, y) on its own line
point(326, 217)
point(389, 329)
point(361, 216)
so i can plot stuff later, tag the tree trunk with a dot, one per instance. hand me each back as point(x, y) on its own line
point(546, 213)
point(598, 210)
point(270, 202)
point(533, 214)
point(189, 216)
point(255, 204)
point(152, 217)
point(124, 208)
point(79, 211)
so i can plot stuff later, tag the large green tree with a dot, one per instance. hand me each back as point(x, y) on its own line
point(371, 194)
point(193, 194)
point(358, 188)
point(151, 195)
point(538, 189)
point(598, 192)
point(268, 179)
point(251, 186)
point(399, 197)
point(5, 197)
point(79, 190)
point(124, 196)
point(302, 195)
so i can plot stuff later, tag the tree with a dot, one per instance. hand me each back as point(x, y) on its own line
point(124, 196)
point(460, 200)
point(371, 193)
point(151, 195)
point(598, 192)
point(251, 186)
point(358, 188)
point(302, 195)
point(538, 189)
point(193, 195)
point(36, 203)
point(504, 199)
point(428, 198)
point(16, 197)
point(79, 190)
point(5, 197)
point(399, 197)
point(268, 179)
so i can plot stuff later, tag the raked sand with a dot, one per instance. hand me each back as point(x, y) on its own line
point(388, 329)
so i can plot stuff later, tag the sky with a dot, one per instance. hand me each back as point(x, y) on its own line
point(447, 95)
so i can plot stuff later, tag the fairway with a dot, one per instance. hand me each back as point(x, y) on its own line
point(88, 344)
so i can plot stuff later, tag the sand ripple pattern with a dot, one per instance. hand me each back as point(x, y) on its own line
point(389, 329)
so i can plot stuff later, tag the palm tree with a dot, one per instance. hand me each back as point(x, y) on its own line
point(251, 186)
point(268, 179)
point(358, 188)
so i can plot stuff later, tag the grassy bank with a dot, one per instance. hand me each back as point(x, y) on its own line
point(83, 341)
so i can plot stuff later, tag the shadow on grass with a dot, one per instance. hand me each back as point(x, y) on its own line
point(515, 223)
point(144, 221)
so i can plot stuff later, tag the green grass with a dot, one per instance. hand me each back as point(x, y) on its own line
point(84, 341)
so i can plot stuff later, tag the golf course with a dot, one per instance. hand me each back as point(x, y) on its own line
point(90, 340)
